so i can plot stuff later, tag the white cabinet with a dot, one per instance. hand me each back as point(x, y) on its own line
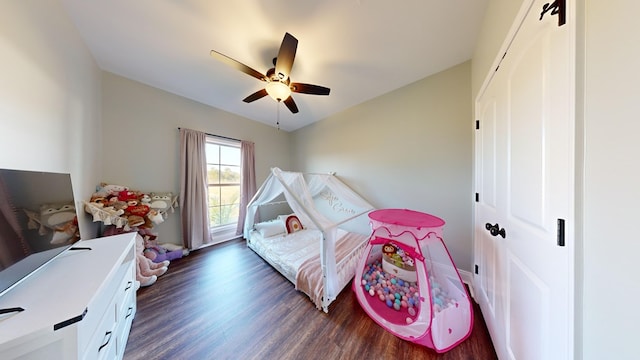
point(79, 306)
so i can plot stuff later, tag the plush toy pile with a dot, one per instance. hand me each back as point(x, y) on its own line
point(124, 210)
point(58, 221)
point(119, 206)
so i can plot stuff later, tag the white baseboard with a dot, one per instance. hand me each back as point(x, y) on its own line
point(467, 278)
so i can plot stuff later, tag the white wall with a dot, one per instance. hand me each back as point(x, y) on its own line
point(49, 97)
point(141, 140)
point(411, 148)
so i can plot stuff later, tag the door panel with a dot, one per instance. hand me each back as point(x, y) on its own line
point(524, 152)
point(526, 156)
point(527, 307)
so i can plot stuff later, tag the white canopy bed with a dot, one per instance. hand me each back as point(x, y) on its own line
point(312, 228)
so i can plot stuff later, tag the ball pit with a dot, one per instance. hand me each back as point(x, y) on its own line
point(439, 297)
point(396, 293)
point(402, 295)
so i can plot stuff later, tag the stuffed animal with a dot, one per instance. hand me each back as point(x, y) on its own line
point(147, 271)
point(104, 189)
point(156, 252)
point(155, 217)
point(58, 219)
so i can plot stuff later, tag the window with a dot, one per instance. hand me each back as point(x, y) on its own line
point(223, 181)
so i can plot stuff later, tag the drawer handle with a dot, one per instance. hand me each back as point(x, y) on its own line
point(129, 284)
point(107, 336)
point(129, 312)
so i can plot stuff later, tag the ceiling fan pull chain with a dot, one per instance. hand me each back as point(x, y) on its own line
point(278, 114)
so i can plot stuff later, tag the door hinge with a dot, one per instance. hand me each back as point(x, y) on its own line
point(475, 270)
point(560, 232)
point(477, 124)
point(477, 197)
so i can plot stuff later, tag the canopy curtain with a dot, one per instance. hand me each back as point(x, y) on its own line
point(193, 189)
point(247, 180)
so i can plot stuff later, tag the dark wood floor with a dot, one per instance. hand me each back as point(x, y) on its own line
point(225, 302)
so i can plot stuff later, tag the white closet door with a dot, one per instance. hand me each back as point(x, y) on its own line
point(524, 177)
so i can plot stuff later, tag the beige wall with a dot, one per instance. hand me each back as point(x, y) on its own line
point(49, 98)
point(410, 148)
point(611, 243)
point(498, 18)
point(141, 141)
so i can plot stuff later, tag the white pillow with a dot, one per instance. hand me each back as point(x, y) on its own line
point(270, 228)
point(283, 218)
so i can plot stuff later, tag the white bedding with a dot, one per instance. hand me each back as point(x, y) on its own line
point(288, 252)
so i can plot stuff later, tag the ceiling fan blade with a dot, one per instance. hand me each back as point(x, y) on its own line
point(238, 65)
point(291, 105)
point(255, 96)
point(286, 54)
point(309, 89)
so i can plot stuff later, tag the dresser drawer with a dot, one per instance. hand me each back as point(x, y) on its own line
point(104, 337)
point(125, 319)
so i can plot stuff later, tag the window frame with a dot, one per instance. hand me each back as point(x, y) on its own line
point(229, 143)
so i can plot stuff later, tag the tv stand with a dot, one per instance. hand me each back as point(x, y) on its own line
point(78, 306)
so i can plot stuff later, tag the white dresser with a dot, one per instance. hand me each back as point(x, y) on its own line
point(79, 306)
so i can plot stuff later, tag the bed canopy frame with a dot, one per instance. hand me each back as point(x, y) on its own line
point(321, 201)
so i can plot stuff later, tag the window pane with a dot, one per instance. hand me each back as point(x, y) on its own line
point(213, 174)
point(230, 155)
point(229, 195)
point(212, 152)
point(223, 215)
point(230, 175)
point(214, 216)
point(229, 214)
point(214, 196)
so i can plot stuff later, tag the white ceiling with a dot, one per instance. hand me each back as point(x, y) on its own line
point(360, 49)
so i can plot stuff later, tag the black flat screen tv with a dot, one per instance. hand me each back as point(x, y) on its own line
point(37, 222)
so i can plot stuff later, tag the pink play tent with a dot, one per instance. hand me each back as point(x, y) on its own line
point(407, 282)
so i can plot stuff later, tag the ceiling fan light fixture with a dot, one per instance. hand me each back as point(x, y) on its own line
point(279, 91)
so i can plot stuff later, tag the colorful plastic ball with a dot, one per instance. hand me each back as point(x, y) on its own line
point(403, 303)
point(396, 306)
point(409, 320)
point(412, 311)
point(389, 303)
point(371, 292)
point(381, 297)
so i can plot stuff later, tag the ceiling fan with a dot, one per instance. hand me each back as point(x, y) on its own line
point(278, 84)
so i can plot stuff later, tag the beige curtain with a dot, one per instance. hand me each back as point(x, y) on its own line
point(247, 180)
point(193, 189)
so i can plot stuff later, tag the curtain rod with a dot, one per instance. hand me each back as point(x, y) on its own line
point(220, 136)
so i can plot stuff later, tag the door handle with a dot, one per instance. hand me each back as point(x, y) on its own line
point(495, 230)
